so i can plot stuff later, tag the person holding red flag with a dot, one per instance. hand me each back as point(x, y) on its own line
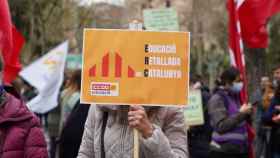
point(237, 58)
point(228, 118)
point(247, 23)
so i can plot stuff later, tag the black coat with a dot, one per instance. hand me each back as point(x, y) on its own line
point(72, 133)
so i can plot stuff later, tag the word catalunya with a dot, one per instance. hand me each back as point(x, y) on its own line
point(162, 73)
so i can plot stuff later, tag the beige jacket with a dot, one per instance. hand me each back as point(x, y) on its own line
point(169, 139)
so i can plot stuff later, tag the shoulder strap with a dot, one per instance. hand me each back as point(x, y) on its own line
point(104, 123)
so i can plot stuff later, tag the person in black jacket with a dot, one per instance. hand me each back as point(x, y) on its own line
point(272, 116)
point(72, 132)
point(200, 136)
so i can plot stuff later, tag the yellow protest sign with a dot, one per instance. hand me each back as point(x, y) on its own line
point(122, 67)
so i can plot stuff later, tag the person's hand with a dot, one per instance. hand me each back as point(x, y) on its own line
point(137, 118)
point(246, 109)
point(276, 118)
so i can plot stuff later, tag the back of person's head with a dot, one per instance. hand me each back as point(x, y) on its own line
point(196, 81)
point(75, 79)
point(11, 90)
point(228, 76)
point(195, 78)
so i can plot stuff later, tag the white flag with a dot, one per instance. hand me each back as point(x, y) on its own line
point(46, 74)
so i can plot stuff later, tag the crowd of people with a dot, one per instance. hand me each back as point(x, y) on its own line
point(227, 122)
point(75, 130)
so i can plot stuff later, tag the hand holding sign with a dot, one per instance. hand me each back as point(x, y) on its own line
point(125, 67)
point(137, 118)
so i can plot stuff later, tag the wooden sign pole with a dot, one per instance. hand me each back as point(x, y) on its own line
point(136, 143)
point(135, 25)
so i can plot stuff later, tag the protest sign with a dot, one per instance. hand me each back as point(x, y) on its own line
point(122, 67)
point(194, 111)
point(164, 19)
point(74, 61)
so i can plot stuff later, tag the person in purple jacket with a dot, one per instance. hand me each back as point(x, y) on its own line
point(21, 135)
point(228, 118)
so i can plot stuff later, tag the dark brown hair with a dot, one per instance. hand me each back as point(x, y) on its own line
point(75, 79)
point(228, 76)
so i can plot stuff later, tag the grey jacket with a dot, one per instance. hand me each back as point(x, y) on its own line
point(224, 124)
point(169, 139)
point(220, 120)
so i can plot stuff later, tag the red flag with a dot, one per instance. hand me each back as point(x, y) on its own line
point(5, 27)
point(237, 57)
point(236, 44)
point(12, 64)
point(254, 15)
point(11, 42)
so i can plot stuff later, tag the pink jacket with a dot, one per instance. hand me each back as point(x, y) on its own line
point(21, 135)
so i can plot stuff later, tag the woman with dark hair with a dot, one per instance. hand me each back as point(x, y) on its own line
point(73, 118)
point(272, 116)
point(69, 96)
point(199, 136)
point(228, 118)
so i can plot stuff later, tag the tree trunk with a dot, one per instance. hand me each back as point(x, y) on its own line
point(255, 70)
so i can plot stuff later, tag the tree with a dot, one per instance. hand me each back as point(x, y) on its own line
point(47, 23)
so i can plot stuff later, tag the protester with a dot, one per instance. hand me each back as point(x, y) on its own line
point(69, 96)
point(230, 137)
point(108, 132)
point(272, 116)
point(267, 95)
point(21, 135)
point(73, 117)
point(72, 132)
point(200, 136)
point(262, 130)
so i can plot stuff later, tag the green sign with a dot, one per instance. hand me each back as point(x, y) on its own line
point(74, 61)
point(194, 111)
point(165, 19)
